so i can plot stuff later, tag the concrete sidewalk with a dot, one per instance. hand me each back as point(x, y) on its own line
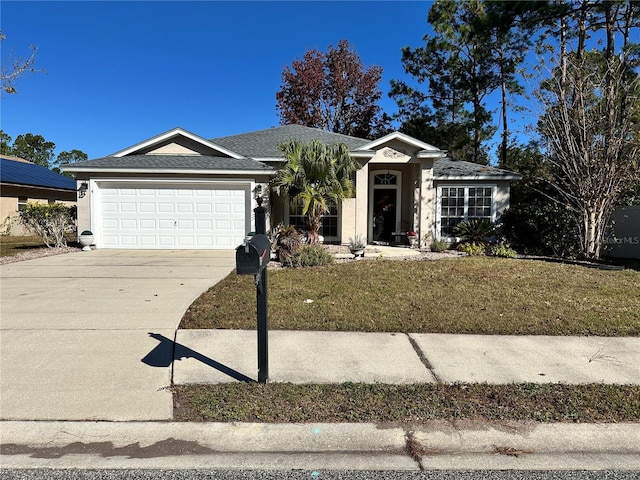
point(219, 356)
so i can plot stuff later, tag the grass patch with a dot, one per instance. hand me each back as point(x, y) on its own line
point(476, 295)
point(12, 245)
point(351, 402)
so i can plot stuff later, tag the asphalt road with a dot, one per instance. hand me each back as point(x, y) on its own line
point(312, 475)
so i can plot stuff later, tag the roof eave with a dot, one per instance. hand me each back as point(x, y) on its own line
point(477, 177)
point(171, 170)
point(41, 187)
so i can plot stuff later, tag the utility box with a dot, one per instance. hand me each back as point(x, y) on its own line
point(253, 255)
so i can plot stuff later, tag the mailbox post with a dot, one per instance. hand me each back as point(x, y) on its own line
point(252, 258)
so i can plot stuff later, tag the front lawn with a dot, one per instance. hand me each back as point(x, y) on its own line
point(479, 295)
point(12, 245)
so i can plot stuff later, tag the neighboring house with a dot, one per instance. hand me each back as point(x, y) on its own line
point(21, 182)
point(179, 190)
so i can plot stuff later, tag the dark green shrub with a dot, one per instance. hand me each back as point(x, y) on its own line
point(438, 245)
point(541, 228)
point(310, 256)
point(478, 230)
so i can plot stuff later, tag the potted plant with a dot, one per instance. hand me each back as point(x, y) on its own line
point(85, 239)
point(413, 238)
point(357, 245)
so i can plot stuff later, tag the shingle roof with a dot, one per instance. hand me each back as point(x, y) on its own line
point(264, 143)
point(448, 168)
point(174, 162)
point(19, 172)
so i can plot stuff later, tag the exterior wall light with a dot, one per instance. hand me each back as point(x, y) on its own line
point(84, 186)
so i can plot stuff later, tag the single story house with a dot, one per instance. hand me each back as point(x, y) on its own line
point(22, 181)
point(179, 190)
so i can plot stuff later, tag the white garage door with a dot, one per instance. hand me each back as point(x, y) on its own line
point(181, 217)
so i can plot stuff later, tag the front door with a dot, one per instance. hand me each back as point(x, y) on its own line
point(384, 213)
point(384, 204)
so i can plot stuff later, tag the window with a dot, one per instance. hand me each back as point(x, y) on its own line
point(463, 203)
point(328, 228)
point(22, 202)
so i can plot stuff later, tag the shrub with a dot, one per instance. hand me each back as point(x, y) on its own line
point(310, 256)
point(478, 230)
point(501, 249)
point(49, 221)
point(472, 248)
point(287, 243)
point(543, 228)
point(438, 245)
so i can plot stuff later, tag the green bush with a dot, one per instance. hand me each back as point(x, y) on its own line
point(543, 228)
point(501, 250)
point(438, 245)
point(472, 248)
point(310, 256)
point(49, 221)
point(478, 230)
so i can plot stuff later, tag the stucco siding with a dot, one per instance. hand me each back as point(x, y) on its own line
point(9, 203)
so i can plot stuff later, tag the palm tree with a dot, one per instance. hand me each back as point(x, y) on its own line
point(316, 177)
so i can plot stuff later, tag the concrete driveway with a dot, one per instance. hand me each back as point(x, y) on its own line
point(81, 334)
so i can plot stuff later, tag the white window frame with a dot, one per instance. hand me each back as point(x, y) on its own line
point(330, 238)
point(466, 186)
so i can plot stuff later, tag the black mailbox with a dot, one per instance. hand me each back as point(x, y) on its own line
point(253, 255)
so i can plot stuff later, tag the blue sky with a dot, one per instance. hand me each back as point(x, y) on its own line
point(120, 72)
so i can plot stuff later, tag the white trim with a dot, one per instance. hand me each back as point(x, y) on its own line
point(494, 191)
point(372, 187)
point(478, 177)
point(169, 170)
point(402, 137)
point(174, 133)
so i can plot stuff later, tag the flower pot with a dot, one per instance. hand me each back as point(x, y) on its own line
point(85, 242)
point(357, 252)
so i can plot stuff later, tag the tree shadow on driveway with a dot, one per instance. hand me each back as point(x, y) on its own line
point(167, 351)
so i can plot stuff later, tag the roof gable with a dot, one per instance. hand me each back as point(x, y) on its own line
point(20, 172)
point(177, 142)
point(398, 137)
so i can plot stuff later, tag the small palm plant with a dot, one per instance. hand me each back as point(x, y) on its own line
point(478, 230)
point(288, 242)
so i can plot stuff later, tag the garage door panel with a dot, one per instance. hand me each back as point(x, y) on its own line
point(163, 217)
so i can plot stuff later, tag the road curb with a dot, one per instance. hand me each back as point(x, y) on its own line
point(436, 444)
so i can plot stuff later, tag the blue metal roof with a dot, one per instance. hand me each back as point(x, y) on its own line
point(23, 173)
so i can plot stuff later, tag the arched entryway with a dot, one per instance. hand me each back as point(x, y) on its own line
point(384, 204)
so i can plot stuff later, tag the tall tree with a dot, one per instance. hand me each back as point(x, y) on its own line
point(590, 124)
point(333, 91)
point(5, 143)
point(67, 157)
point(34, 148)
point(316, 177)
point(12, 69)
point(458, 63)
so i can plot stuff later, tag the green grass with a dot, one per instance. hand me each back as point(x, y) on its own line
point(480, 295)
point(349, 402)
point(12, 245)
